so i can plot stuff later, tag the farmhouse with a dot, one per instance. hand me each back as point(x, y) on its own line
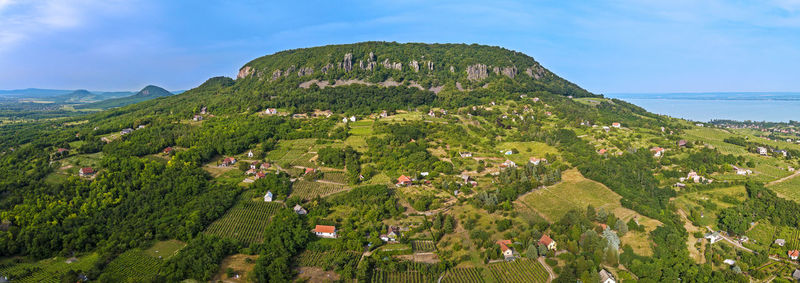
point(762, 150)
point(403, 180)
point(168, 150)
point(228, 161)
point(780, 242)
point(260, 175)
point(264, 166)
point(741, 171)
point(271, 111)
point(310, 170)
point(299, 210)
point(384, 114)
point(794, 254)
point(616, 125)
point(126, 131)
point(86, 172)
point(251, 171)
point(61, 150)
point(508, 253)
point(254, 165)
point(465, 154)
point(536, 160)
point(392, 233)
point(250, 153)
point(606, 277)
point(325, 231)
point(197, 118)
point(729, 261)
point(548, 242)
point(681, 143)
point(602, 151)
point(268, 196)
point(713, 237)
point(657, 151)
point(352, 118)
point(508, 164)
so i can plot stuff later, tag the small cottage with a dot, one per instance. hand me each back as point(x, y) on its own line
point(299, 210)
point(547, 242)
point(86, 172)
point(606, 277)
point(325, 231)
point(268, 196)
point(403, 181)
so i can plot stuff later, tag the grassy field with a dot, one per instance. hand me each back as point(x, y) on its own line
point(47, 270)
point(246, 220)
point(241, 264)
point(526, 150)
point(709, 202)
point(165, 249)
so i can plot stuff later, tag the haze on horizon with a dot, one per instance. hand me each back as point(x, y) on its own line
point(604, 46)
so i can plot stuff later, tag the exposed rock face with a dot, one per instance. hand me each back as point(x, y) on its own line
point(372, 56)
point(371, 65)
point(536, 72)
point(510, 72)
point(414, 65)
point(452, 70)
point(276, 74)
point(244, 72)
point(389, 65)
point(430, 65)
point(361, 64)
point(477, 72)
point(305, 71)
point(347, 63)
point(326, 68)
point(290, 70)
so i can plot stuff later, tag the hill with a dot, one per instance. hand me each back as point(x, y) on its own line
point(147, 93)
point(471, 165)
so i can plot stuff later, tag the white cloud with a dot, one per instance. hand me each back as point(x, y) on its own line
point(25, 20)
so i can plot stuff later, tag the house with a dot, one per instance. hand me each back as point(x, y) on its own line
point(392, 233)
point(264, 166)
point(729, 261)
point(603, 226)
point(547, 242)
point(794, 254)
point(606, 277)
point(126, 131)
point(203, 110)
point(384, 114)
point(268, 196)
point(344, 120)
point(741, 171)
point(228, 161)
point(352, 118)
point(403, 180)
point(325, 231)
point(465, 178)
point(508, 164)
point(271, 111)
point(780, 242)
point(140, 127)
point(681, 143)
point(616, 125)
point(431, 113)
point(535, 99)
point(61, 150)
point(796, 274)
point(310, 170)
point(465, 154)
point(424, 174)
point(250, 153)
point(251, 171)
point(537, 161)
point(197, 118)
point(606, 128)
point(657, 151)
point(762, 150)
point(602, 151)
point(508, 253)
point(260, 175)
point(299, 210)
point(86, 172)
point(713, 237)
point(254, 165)
point(508, 152)
point(679, 185)
point(168, 150)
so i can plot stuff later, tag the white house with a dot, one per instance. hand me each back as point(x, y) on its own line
point(465, 154)
point(616, 125)
point(325, 231)
point(344, 120)
point(729, 262)
point(762, 150)
point(713, 237)
point(268, 196)
point(508, 253)
point(352, 118)
point(250, 153)
point(537, 161)
point(780, 242)
point(606, 277)
point(299, 210)
point(507, 164)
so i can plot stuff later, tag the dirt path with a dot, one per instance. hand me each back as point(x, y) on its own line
point(691, 240)
point(549, 270)
point(796, 173)
point(331, 182)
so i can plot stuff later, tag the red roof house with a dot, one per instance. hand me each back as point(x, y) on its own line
point(547, 241)
point(228, 161)
point(325, 231)
point(310, 170)
point(168, 150)
point(794, 254)
point(86, 171)
point(60, 150)
point(404, 180)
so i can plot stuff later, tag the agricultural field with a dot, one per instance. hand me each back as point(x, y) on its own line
point(709, 202)
point(47, 270)
point(788, 189)
point(134, 265)
point(241, 264)
point(245, 221)
point(165, 249)
point(413, 274)
point(293, 152)
point(526, 151)
point(422, 246)
point(328, 260)
point(309, 190)
point(522, 270)
point(465, 275)
point(336, 177)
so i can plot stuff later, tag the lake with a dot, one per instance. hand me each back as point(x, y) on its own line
point(780, 107)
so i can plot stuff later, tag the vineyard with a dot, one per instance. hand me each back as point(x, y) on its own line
point(336, 177)
point(416, 272)
point(467, 275)
point(522, 270)
point(245, 221)
point(47, 270)
point(309, 190)
point(328, 260)
point(422, 246)
point(133, 265)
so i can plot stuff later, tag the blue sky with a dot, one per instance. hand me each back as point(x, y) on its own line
point(604, 46)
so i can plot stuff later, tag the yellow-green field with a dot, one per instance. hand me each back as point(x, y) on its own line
point(526, 150)
point(789, 189)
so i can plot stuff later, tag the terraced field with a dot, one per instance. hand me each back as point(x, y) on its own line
point(134, 266)
point(522, 270)
point(309, 190)
point(47, 270)
point(422, 246)
point(463, 275)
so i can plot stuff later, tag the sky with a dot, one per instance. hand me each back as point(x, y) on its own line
point(620, 46)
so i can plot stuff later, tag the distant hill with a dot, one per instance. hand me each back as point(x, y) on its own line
point(33, 92)
point(147, 93)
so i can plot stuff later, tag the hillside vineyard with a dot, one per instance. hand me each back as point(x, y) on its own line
point(388, 162)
